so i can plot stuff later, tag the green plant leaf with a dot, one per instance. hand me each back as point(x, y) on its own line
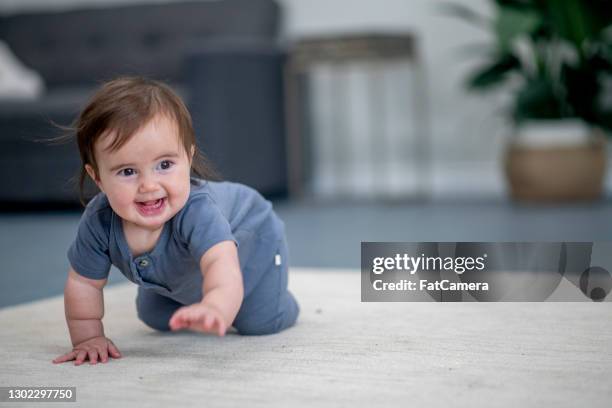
point(493, 74)
point(565, 57)
point(537, 100)
point(582, 90)
point(604, 120)
point(568, 20)
point(577, 20)
point(513, 22)
point(518, 4)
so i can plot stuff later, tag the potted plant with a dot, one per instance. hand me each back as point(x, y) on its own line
point(557, 58)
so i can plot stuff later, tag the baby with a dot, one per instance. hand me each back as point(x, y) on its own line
point(205, 255)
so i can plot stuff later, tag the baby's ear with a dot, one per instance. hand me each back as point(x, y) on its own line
point(92, 174)
point(191, 154)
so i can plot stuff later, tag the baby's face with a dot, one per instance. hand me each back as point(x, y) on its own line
point(147, 179)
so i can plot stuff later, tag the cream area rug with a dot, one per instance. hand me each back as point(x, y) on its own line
point(342, 352)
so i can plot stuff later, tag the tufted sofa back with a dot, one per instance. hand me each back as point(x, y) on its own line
point(80, 47)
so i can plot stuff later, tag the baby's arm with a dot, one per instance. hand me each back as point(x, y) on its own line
point(84, 308)
point(222, 289)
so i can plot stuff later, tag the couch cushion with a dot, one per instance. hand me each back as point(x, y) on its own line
point(57, 101)
point(88, 45)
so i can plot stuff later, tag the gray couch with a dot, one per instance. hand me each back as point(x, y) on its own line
point(221, 56)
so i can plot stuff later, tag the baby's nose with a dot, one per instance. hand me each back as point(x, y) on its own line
point(148, 184)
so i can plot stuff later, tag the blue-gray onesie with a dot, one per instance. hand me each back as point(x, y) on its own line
point(169, 275)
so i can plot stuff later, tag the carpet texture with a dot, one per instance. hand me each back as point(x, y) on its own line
point(341, 353)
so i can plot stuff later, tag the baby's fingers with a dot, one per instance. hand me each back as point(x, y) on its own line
point(221, 327)
point(191, 315)
point(103, 353)
point(93, 356)
point(177, 321)
point(210, 321)
point(113, 350)
point(66, 357)
point(80, 357)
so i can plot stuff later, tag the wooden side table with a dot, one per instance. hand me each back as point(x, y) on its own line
point(341, 51)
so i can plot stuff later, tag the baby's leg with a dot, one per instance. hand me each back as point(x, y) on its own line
point(270, 307)
point(155, 310)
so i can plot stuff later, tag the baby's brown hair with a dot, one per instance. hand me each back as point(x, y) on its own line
point(123, 106)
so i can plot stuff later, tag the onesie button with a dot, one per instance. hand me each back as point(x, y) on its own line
point(143, 263)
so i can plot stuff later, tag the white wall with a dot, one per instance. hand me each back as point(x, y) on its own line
point(468, 130)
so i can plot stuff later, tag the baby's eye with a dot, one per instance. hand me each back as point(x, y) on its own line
point(126, 172)
point(166, 164)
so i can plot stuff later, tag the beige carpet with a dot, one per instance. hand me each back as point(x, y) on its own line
point(341, 353)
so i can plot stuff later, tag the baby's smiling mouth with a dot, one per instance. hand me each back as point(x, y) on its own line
point(151, 204)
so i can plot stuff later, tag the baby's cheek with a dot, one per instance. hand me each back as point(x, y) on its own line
point(120, 203)
point(180, 199)
point(181, 193)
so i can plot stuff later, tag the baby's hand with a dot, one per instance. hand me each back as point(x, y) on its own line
point(92, 349)
point(199, 317)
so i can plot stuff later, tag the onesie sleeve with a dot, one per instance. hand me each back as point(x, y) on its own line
point(202, 224)
point(89, 255)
